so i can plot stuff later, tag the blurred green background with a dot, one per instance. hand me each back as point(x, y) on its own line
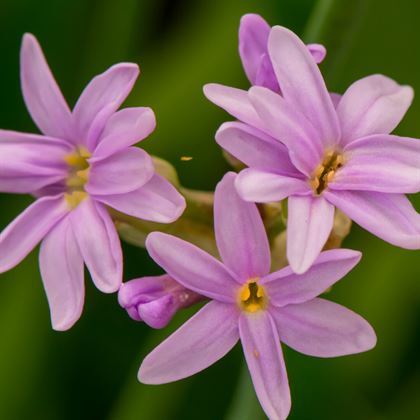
point(90, 371)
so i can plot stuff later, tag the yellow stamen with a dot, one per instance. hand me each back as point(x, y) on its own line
point(252, 296)
point(325, 172)
point(75, 198)
point(78, 169)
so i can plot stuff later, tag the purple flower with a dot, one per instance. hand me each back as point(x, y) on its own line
point(249, 304)
point(253, 40)
point(299, 145)
point(155, 300)
point(81, 164)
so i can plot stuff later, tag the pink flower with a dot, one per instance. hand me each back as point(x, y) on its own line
point(253, 40)
point(320, 155)
point(83, 162)
point(155, 300)
point(249, 304)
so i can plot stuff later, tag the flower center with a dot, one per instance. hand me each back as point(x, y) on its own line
point(325, 172)
point(78, 164)
point(252, 296)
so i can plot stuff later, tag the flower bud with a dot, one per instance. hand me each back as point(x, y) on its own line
point(156, 299)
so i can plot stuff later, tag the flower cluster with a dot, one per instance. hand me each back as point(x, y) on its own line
point(320, 151)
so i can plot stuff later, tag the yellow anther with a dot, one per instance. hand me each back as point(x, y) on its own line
point(84, 153)
point(252, 296)
point(83, 174)
point(75, 198)
point(325, 172)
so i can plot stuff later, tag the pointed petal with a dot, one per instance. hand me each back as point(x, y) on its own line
point(157, 201)
point(255, 149)
point(391, 217)
point(104, 94)
point(204, 339)
point(22, 235)
point(62, 271)
point(287, 125)
point(302, 84)
point(263, 187)
point(309, 224)
point(382, 163)
point(234, 101)
point(29, 162)
point(125, 171)
point(192, 267)
point(42, 95)
point(240, 233)
point(372, 105)
point(253, 38)
point(99, 244)
point(264, 357)
point(125, 128)
point(323, 329)
point(285, 287)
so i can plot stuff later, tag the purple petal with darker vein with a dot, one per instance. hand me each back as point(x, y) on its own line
point(158, 201)
point(192, 267)
point(391, 217)
point(372, 105)
point(285, 287)
point(124, 171)
point(290, 127)
point(203, 340)
point(256, 149)
point(382, 163)
point(310, 220)
point(125, 128)
point(302, 84)
point(261, 344)
point(62, 271)
point(262, 187)
point(240, 234)
point(29, 162)
point(106, 91)
point(42, 95)
point(323, 329)
point(99, 244)
point(22, 235)
point(234, 101)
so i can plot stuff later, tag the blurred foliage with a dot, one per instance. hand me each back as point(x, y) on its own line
point(90, 371)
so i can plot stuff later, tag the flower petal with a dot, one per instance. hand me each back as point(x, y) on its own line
point(62, 271)
point(255, 149)
point(287, 125)
point(323, 329)
point(192, 267)
point(309, 224)
point(157, 201)
point(318, 52)
point(261, 344)
point(204, 339)
point(240, 233)
point(285, 287)
point(263, 187)
point(22, 235)
point(391, 217)
point(372, 105)
point(253, 38)
point(125, 171)
point(382, 163)
point(234, 101)
point(99, 244)
point(302, 84)
point(29, 162)
point(105, 92)
point(43, 97)
point(125, 128)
